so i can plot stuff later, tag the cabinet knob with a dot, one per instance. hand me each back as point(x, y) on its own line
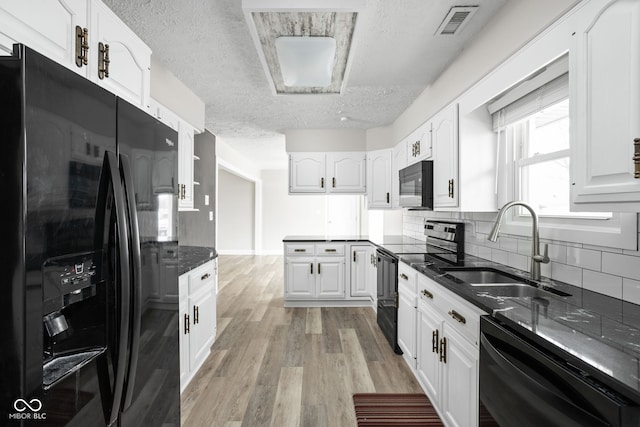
point(427, 294)
point(321, 182)
point(333, 182)
point(205, 276)
point(387, 197)
point(404, 276)
point(186, 323)
point(434, 341)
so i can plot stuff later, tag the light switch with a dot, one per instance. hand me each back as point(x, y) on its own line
point(210, 215)
point(206, 200)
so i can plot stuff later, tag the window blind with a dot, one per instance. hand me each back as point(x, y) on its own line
point(542, 89)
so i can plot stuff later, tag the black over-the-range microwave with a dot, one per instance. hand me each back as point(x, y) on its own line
point(416, 185)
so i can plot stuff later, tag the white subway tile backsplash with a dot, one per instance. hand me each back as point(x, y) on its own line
point(611, 271)
point(585, 258)
point(499, 256)
point(602, 283)
point(631, 290)
point(621, 265)
point(566, 273)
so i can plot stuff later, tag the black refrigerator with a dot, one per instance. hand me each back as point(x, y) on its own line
point(89, 302)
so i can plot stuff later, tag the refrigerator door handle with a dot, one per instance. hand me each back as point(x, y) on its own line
point(111, 168)
point(136, 282)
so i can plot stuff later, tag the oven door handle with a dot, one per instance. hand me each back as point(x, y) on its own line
point(543, 393)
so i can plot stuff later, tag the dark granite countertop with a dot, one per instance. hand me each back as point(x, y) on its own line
point(393, 239)
point(190, 257)
point(598, 334)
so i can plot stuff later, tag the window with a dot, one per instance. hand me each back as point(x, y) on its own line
point(532, 124)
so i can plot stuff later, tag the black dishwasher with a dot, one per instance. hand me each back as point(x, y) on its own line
point(523, 384)
point(387, 313)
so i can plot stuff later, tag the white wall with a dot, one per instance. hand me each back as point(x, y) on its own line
point(512, 27)
point(173, 94)
point(325, 140)
point(379, 138)
point(236, 214)
point(283, 214)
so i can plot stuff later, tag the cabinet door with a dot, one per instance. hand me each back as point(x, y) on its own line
point(129, 58)
point(459, 403)
point(420, 144)
point(169, 280)
point(605, 106)
point(407, 324)
point(445, 142)
point(300, 278)
point(185, 166)
point(372, 276)
point(184, 330)
point(428, 352)
point(346, 173)
point(379, 179)
point(307, 173)
point(46, 26)
point(360, 262)
point(330, 277)
point(202, 312)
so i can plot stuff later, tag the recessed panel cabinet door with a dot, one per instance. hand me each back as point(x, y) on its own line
point(605, 109)
point(360, 262)
point(445, 142)
point(428, 363)
point(407, 324)
point(129, 58)
point(307, 173)
point(202, 309)
point(46, 26)
point(379, 179)
point(459, 397)
point(300, 281)
point(330, 277)
point(346, 173)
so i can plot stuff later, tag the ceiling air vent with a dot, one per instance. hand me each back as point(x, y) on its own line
point(457, 18)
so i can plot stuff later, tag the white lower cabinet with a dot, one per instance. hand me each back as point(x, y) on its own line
point(446, 347)
point(363, 271)
point(197, 296)
point(407, 313)
point(329, 274)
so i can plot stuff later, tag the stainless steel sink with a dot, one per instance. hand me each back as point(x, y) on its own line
point(477, 276)
point(499, 283)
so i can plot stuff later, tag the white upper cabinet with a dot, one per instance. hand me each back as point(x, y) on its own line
point(307, 173)
point(420, 144)
point(347, 172)
point(186, 157)
point(47, 26)
point(127, 72)
point(444, 130)
point(605, 107)
point(327, 172)
point(379, 179)
point(84, 36)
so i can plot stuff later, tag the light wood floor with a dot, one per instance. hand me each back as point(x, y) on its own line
point(276, 366)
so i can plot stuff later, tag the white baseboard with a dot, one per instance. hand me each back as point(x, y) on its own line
point(236, 252)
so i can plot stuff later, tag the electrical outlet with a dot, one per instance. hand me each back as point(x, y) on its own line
point(210, 215)
point(206, 200)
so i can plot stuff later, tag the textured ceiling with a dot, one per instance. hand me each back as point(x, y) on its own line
point(207, 45)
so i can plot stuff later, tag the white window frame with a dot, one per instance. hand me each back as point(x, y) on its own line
point(618, 231)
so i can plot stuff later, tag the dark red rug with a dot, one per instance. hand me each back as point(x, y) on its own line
point(393, 409)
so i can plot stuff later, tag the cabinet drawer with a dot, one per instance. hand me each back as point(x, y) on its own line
point(457, 313)
point(201, 277)
point(300, 249)
point(329, 249)
point(408, 277)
